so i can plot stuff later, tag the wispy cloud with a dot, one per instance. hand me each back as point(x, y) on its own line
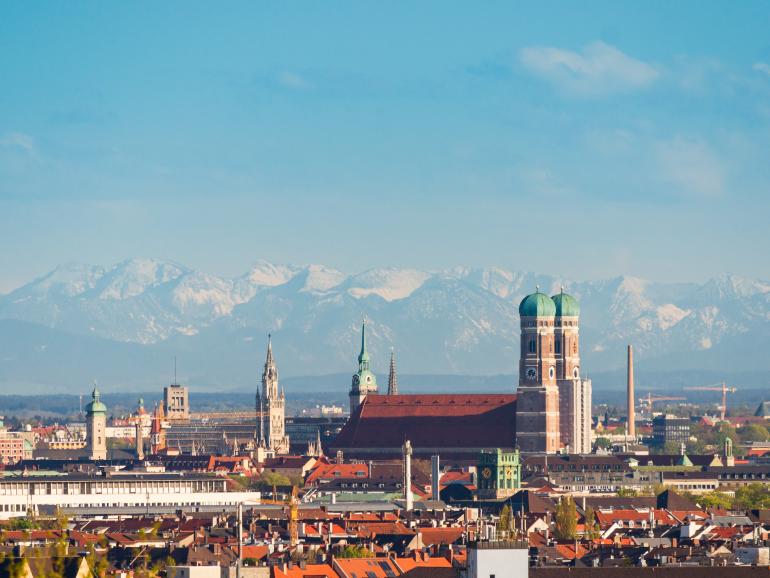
point(18, 140)
point(598, 70)
point(763, 67)
point(293, 81)
point(692, 166)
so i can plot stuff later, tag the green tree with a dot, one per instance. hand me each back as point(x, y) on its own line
point(591, 527)
point(273, 480)
point(505, 520)
point(353, 551)
point(754, 433)
point(753, 497)
point(627, 492)
point(566, 519)
point(97, 564)
point(603, 443)
point(715, 500)
point(658, 488)
point(671, 448)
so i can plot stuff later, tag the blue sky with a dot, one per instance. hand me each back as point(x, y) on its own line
point(583, 139)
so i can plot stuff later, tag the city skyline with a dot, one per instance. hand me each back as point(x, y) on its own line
point(478, 138)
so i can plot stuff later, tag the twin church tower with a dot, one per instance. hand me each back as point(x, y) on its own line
point(553, 408)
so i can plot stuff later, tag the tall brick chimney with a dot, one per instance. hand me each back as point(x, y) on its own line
point(631, 426)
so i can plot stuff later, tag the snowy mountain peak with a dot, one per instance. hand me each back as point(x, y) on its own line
point(135, 276)
point(461, 320)
point(391, 284)
point(269, 275)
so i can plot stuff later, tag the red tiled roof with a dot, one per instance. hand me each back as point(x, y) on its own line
point(432, 536)
point(456, 477)
point(444, 420)
point(338, 471)
point(256, 552)
point(625, 516)
point(421, 561)
point(367, 529)
point(32, 535)
point(727, 533)
point(567, 551)
point(370, 567)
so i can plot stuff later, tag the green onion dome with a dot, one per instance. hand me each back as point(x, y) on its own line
point(95, 406)
point(566, 305)
point(537, 305)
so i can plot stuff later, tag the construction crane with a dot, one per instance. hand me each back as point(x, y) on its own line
point(716, 387)
point(649, 399)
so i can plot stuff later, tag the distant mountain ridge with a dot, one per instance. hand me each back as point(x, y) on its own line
point(454, 321)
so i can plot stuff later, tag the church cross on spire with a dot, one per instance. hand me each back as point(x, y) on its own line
point(392, 376)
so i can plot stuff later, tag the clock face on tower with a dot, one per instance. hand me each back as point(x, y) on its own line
point(355, 380)
point(531, 373)
point(486, 472)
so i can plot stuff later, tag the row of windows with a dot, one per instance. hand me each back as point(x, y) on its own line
point(23, 507)
point(60, 488)
point(532, 347)
point(742, 476)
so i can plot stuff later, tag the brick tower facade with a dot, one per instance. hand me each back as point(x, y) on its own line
point(537, 408)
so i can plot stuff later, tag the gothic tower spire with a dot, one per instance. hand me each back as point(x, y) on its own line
point(272, 407)
point(392, 376)
point(269, 360)
point(270, 373)
point(363, 357)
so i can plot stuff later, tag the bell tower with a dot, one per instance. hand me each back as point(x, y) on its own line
point(364, 382)
point(96, 427)
point(537, 406)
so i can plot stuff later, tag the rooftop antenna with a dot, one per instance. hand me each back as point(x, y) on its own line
point(175, 381)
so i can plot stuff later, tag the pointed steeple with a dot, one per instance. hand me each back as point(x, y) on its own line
point(363, 357)
point(270, 374)
point(392, 376)
point(269, 360)
point(364, 381)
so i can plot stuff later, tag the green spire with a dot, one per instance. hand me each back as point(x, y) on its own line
point(364, 379)
point(363, 357)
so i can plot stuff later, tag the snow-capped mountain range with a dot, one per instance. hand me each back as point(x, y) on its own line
point(456, 321)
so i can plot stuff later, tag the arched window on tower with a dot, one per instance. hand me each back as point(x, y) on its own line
point(532, 347)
